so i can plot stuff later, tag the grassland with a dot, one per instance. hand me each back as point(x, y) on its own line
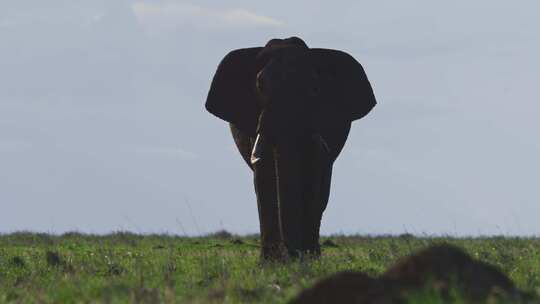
point(124, 267)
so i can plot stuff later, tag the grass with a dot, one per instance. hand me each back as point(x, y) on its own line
point(125, 267)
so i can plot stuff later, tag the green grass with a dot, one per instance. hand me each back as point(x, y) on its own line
point(124, 267)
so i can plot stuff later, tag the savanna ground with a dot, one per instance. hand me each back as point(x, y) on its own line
point(125, 267)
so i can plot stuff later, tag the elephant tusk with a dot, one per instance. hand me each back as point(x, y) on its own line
point(256, 153)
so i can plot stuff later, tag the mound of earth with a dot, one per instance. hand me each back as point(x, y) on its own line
point(440, 267)
point(344, 287)
point(445, 266)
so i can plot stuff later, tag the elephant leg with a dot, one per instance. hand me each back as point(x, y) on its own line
point(291, 165)
point(267, 203)
point(264, 174)
point(317, 210)
point(321, 166)
point(318, 192)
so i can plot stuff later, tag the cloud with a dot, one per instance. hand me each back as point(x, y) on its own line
point(174, 15)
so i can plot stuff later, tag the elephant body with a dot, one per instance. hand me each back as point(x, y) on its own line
point(307, 170)
point(290, 110)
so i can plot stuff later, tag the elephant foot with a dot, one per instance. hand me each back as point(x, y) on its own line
point(273, 253)
point(312, 246)
point(304, 254)
point(280, 254)
point(314, 252)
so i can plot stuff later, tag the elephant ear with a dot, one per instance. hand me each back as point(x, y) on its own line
point(344, 93)
point(232, 96)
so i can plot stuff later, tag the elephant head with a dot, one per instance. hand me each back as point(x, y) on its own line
point(296, 104)
point(286, 86)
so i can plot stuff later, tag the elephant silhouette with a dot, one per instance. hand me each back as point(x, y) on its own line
point(290, 109)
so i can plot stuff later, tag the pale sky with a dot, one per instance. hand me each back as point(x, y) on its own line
point(103, 126)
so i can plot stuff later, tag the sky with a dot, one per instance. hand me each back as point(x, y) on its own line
point(103, 126)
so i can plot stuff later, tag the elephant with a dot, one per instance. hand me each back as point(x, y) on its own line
point(290, 109)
